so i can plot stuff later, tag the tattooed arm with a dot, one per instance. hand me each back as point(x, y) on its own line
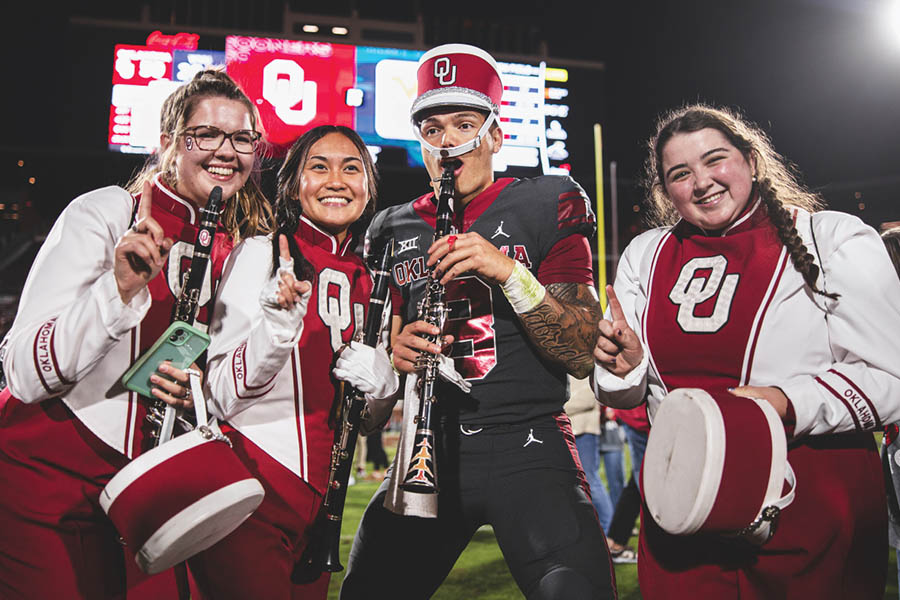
point(564, 326)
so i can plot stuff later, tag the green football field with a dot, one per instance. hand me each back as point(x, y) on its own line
point(480, 573)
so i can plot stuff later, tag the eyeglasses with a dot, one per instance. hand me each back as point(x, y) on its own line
point(208, 137)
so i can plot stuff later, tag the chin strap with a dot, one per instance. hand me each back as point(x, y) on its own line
point(456, 150)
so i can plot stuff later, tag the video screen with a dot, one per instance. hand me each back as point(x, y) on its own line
point(297, 85)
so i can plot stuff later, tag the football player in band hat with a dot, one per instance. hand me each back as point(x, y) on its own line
point(518, 277)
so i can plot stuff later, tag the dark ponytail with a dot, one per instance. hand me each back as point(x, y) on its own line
point(287, 220)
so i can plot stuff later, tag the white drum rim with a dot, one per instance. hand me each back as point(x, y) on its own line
point(711, 479)
point(778, 470)
point(150, 460)
point(711, 471)
point(158, 554)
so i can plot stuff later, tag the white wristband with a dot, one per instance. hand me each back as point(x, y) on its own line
point(522, 289)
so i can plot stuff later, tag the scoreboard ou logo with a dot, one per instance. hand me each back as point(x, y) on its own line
point(284, 85)
point(444, 71)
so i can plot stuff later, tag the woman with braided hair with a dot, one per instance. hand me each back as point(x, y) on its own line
point(745, 290)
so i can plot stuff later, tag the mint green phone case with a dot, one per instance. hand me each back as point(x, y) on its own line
point(181, 344)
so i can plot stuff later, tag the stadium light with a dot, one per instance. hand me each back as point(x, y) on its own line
point(890, 20)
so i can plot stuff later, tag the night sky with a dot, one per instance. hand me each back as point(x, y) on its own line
point(820, 76)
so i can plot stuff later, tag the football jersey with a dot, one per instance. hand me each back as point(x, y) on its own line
point(73, 337)
point(525, 219)
point(281, 398)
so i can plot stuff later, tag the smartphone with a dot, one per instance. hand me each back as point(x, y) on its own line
point(181, 344)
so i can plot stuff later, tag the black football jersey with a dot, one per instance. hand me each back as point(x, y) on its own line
point(524, 218)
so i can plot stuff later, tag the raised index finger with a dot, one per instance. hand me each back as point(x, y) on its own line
point(144, 222)
point(143, 211)
point(284, 250)
point(615, 309)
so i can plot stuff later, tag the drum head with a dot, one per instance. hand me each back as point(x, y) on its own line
point(713, 463)
point(678, 470)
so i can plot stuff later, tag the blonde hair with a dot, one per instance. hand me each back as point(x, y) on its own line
point(249, 213)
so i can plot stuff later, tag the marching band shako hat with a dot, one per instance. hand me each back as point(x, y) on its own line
point(717, 464)
point(457, 75)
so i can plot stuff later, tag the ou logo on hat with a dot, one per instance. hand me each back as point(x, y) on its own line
point(443, 68)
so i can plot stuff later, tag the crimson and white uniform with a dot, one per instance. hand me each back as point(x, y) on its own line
point(69, 424)
point(273, 385)
point(726, 310)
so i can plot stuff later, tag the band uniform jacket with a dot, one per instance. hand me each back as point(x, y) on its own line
point(73, 338)
point(837, 360)
point(273, 383)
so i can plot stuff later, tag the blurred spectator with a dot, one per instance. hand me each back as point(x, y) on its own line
point(636, 426)
point(585, 413)
point(890, 445)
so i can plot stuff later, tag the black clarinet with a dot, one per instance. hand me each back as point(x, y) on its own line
point(192, 282)
point(188, 301)
point(322, 553)
point(421, 475)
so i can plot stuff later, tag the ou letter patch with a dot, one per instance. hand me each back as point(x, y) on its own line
point(692, 289)
point(444, 71)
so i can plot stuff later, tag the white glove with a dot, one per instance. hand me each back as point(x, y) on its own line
point(367, 369)
point(285, 325)
point(448, 372)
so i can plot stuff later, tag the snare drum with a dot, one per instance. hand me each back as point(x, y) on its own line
point(181, 497)
point(717, 464)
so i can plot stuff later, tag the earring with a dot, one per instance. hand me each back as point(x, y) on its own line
point(754, 179)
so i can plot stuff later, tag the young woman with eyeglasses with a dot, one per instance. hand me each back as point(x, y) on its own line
point(100, 292)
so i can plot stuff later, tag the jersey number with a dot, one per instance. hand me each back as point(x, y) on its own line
point(471, 323)
point(334, 305)
point(693, 289)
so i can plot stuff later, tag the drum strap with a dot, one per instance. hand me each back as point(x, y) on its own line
point(763, 527)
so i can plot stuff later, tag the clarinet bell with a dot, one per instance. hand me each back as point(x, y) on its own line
point(421, 476)
point(322, 555)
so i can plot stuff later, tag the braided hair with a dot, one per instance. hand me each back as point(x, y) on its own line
point(287, 202)
point(776, 180)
